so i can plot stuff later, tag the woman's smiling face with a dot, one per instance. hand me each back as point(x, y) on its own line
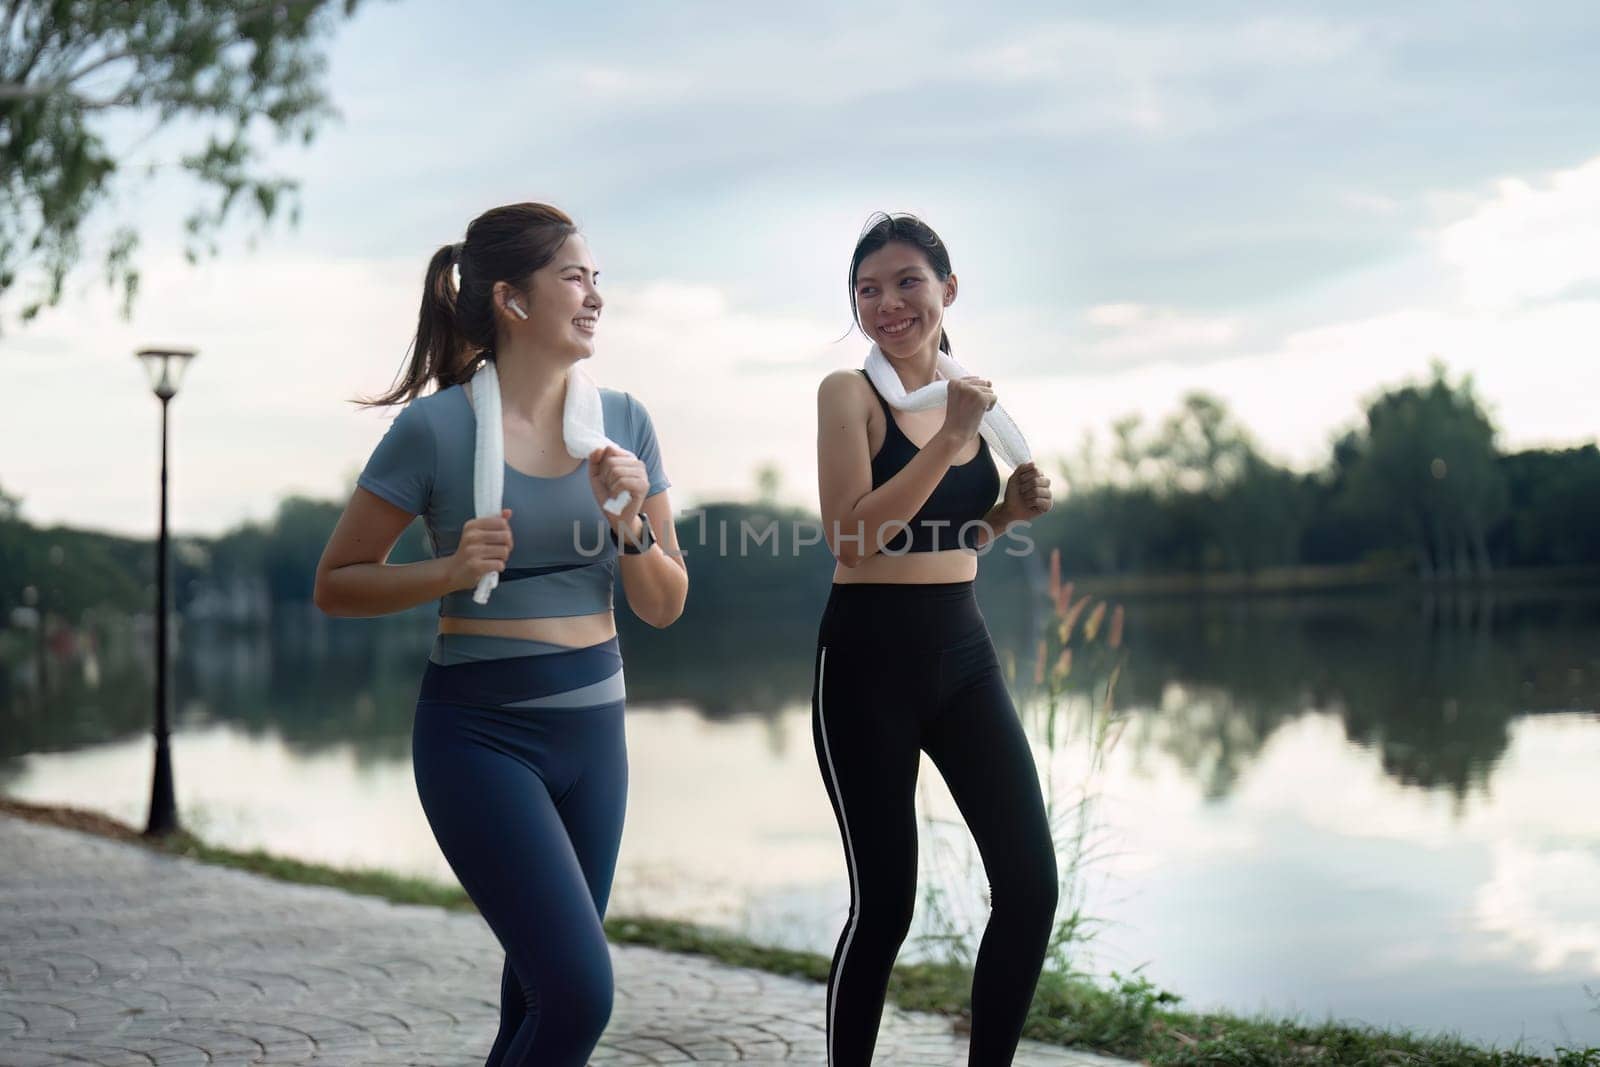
point(900, 300)
point(565, 301)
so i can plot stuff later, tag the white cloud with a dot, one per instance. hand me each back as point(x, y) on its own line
point(1545, 858)
point(1076, 48)
point(262, 412)
point(286, 337)
point(1170, 79)
point(1114, 315)
point(285, 342)
point(1128, 333)
point(1519, 869)
point(1534, 369)
point(1541, 903)
point(728, 388)
point(1369, 203)
point(674, 302)
point(1533, 240)
point(616, 83)
point(1523, 327)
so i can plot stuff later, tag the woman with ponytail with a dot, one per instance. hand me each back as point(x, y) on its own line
point(537, 489)
point(904, 664)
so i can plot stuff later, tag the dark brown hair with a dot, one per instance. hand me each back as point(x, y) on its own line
point(456, 327)
point(883, 229)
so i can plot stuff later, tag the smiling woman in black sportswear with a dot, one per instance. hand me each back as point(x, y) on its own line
point(904, 663)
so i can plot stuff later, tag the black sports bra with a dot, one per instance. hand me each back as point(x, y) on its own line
point(949, 517)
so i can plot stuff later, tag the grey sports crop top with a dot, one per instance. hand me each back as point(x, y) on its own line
point(562, 559)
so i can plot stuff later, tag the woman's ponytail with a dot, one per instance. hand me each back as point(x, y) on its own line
point(438, 341)
point(436, 348)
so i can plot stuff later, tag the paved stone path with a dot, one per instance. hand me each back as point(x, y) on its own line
point(114, 954)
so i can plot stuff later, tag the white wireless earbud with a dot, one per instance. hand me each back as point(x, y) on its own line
point(516, 309)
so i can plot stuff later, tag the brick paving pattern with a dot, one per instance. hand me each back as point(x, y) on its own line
point(114, 954)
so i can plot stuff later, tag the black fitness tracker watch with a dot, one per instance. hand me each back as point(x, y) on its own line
point(647, 537)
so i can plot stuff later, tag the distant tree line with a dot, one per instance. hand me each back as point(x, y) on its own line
point(1420, 487)
point(63, 571)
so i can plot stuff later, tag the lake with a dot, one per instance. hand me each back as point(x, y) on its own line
point(1376, 807)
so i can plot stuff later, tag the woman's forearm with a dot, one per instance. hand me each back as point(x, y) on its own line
point(996, 523)
point(655, 583)
point(365, 590)
point(878, 516)
point(656, 586)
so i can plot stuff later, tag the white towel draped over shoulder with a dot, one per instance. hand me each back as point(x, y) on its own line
point(1003, 435)
point(583, 430)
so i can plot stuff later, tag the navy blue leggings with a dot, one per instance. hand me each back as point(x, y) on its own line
point(522, 769)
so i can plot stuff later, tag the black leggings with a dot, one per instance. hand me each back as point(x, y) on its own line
point(900, 670)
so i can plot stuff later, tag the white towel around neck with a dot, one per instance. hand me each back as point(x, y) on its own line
point(582, 431)
point(1003, 435)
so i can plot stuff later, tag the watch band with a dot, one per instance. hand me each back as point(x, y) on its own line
point(647, 538)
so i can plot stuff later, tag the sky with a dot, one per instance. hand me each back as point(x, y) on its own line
point(1291, 206)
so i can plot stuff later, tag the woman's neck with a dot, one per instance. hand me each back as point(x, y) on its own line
point(533, 385)
point(918, 369)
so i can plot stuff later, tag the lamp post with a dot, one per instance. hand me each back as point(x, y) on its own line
point(165, 367)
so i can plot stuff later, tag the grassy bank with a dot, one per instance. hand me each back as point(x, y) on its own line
point(1130, 1018)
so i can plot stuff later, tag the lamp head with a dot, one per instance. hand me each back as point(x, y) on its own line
point(164, 367)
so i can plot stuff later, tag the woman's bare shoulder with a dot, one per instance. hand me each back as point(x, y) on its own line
point(843, 390)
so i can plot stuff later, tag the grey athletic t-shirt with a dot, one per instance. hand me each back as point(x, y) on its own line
point(562, 559)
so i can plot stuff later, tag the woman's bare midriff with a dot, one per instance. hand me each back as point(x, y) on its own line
point(576, 631)
point(912, 568)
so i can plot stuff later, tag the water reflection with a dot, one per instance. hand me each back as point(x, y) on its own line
point(1431, 684)
point(1378, 807)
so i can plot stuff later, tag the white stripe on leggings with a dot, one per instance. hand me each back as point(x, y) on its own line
point(849, 855)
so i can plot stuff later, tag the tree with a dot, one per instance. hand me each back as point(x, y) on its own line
point(769, 480)
point(1237, 510)
point(1262, 515)
point(1553, 518)
point(1202, 448)
point(1429, 464)
point(68, 66)
point(289, 557)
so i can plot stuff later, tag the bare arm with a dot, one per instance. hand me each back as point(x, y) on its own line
point(656, 581)
point(996, 524)
point(354, 579)
point(854, 513)
point(1027, 496)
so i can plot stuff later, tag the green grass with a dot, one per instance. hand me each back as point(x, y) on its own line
point(373, 883)
point(1135, 1019)
point(1130, 1018)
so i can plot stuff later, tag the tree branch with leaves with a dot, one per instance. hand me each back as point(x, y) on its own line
point(231, 67)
